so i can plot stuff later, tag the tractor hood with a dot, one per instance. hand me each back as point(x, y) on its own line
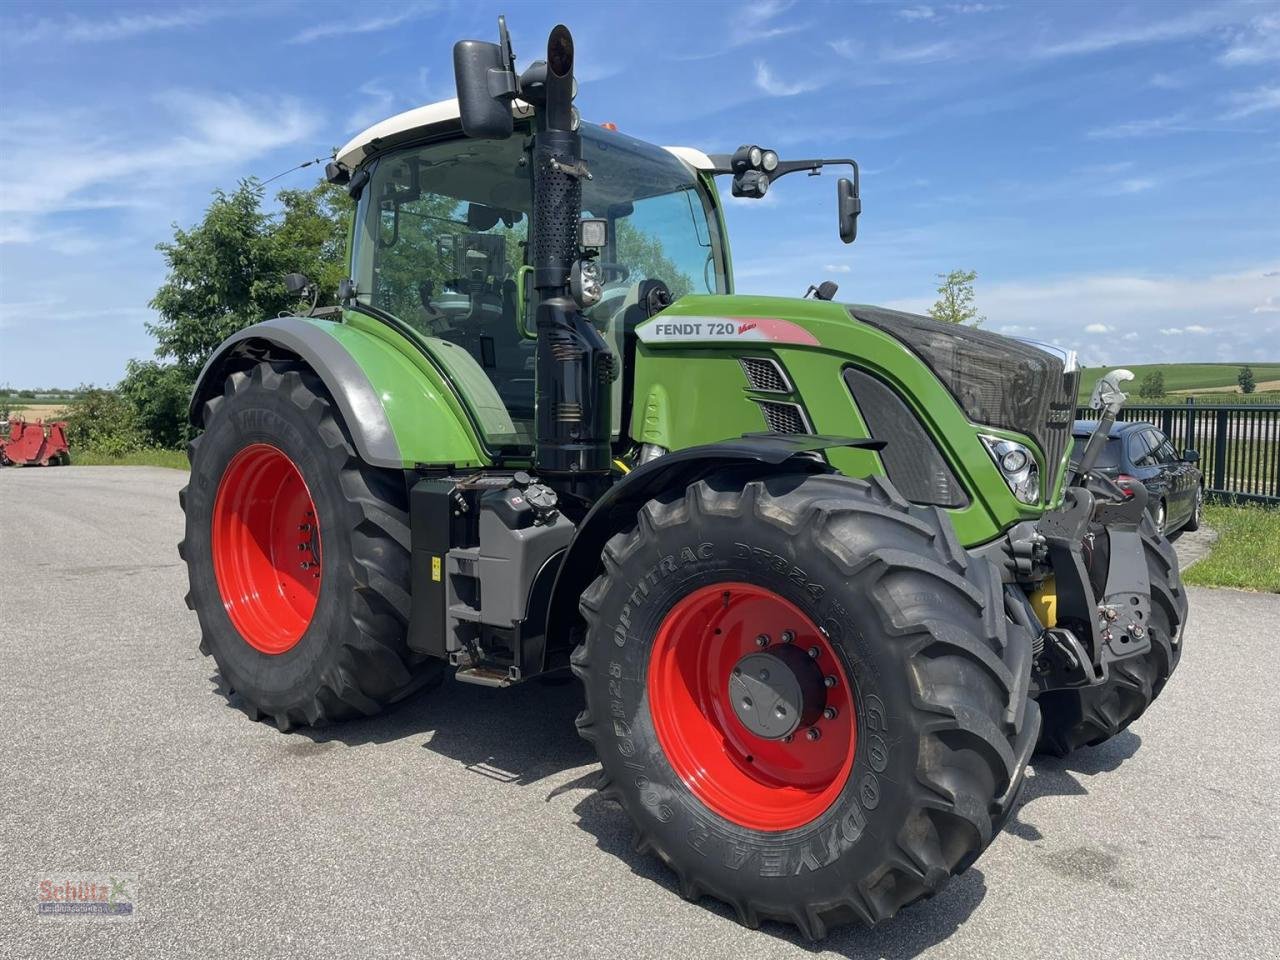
point(998, 381)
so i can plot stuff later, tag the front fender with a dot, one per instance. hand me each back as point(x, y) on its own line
point(397, 415)
point(616, 510)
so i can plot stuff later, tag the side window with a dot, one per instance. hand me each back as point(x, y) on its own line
point(1141, 449)
point(448, 229)
point(1165, 452)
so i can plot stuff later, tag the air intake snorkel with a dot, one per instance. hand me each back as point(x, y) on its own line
point(575, 368)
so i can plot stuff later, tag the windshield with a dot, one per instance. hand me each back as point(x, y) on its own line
point(442, 232)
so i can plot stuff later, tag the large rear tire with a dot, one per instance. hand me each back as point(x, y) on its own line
point(297, 555)
point(893, 646)
point(1093, 715)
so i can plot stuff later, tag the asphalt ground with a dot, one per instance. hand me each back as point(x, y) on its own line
point(464, 824)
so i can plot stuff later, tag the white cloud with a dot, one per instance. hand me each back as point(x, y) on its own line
point(1259, 43)
point(849, 49)
point(1128, 185)
point(1097, 328)
point(921, 12)
point(77, 29)
point(355, 24)
point(773, 85)
point(1185, 308)
point(1269, 305)
point(377, 104)
point(922, 53)
point(1140, 33)
point(1249, 102)
point(1166, 81)
point(967, 8)
point(1140, 128)
point(838, 268)
point(80, 167)
point(755, 22)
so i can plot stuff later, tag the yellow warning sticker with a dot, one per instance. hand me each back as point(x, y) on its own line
point(435, 569)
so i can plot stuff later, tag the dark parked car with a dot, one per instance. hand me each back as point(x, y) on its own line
point(1140, 453)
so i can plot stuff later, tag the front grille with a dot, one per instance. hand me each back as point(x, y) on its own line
point(784, 417)
point(765, 375)
point(912, 461)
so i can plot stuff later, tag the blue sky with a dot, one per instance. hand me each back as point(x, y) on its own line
point(1111, 170)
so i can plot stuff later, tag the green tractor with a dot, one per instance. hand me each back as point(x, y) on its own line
point(825, 571)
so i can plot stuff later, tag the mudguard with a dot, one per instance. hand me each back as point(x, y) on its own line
point(398, 414)
point(765, 453)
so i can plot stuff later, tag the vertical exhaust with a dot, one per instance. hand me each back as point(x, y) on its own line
point(575, 368)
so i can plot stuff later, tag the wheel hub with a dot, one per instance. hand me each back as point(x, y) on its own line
point(752, 705)
point(776, 692)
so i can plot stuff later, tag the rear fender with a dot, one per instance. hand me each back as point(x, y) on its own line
point(760, 454)
point(397, 415)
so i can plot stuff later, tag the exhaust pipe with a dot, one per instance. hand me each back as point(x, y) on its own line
point(575, 368)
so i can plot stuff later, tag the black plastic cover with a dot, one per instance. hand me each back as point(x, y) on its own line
point(911, 459)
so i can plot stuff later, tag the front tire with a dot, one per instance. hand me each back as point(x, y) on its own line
point(1093, 715)
point(925, 679)
point(297, 555)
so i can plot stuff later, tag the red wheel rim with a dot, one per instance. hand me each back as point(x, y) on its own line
point(266, 548)
point(756, 782)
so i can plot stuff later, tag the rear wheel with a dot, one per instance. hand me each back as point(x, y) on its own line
point(806, 696)
point(1093, 715)
point(1197, 511)
point(297, 555)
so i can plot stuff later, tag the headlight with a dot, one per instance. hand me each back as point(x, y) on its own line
point(1017, 465)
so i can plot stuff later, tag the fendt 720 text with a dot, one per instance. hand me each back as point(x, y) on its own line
point(827, 573)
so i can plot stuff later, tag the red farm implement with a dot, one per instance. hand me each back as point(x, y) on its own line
point(35, 444)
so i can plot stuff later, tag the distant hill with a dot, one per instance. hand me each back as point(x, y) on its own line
point(1188, 377)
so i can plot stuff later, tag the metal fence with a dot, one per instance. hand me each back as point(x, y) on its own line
point(1239, 445)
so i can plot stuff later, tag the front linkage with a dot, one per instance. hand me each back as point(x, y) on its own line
point(1104, 584)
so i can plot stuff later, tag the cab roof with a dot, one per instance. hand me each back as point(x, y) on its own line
point(442, 116)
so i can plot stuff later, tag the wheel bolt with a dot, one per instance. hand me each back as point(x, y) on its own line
point(787, 636)
point(304, 527)
point(828, 682)
point(813, 733)
point(788, 738)
point(830, 713)
point(813, 653)
point(762, 640)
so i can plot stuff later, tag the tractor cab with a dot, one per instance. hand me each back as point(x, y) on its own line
point(441, 241)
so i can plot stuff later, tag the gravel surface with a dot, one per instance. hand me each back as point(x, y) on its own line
point(464, 824)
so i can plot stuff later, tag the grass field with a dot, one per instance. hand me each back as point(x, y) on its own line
point(1247, 554)
point(1185, 377)
point(38, 410)
point(176, 459)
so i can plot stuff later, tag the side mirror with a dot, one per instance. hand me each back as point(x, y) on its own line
point(1191, 456)
point(850, 206)
point(486, 85)
point(296, 283)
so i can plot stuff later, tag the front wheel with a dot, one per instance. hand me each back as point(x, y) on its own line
point(806, 695)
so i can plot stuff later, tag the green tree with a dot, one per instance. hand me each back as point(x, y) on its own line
point(955, 303)
point(311, 234)
point(158, 394)
point(1246, 381)
point(224, 274)
point(1152, 386)
point(102, 420)
point(645, 258)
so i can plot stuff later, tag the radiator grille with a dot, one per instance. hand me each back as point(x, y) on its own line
point(784, 417)
point(765, 375)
